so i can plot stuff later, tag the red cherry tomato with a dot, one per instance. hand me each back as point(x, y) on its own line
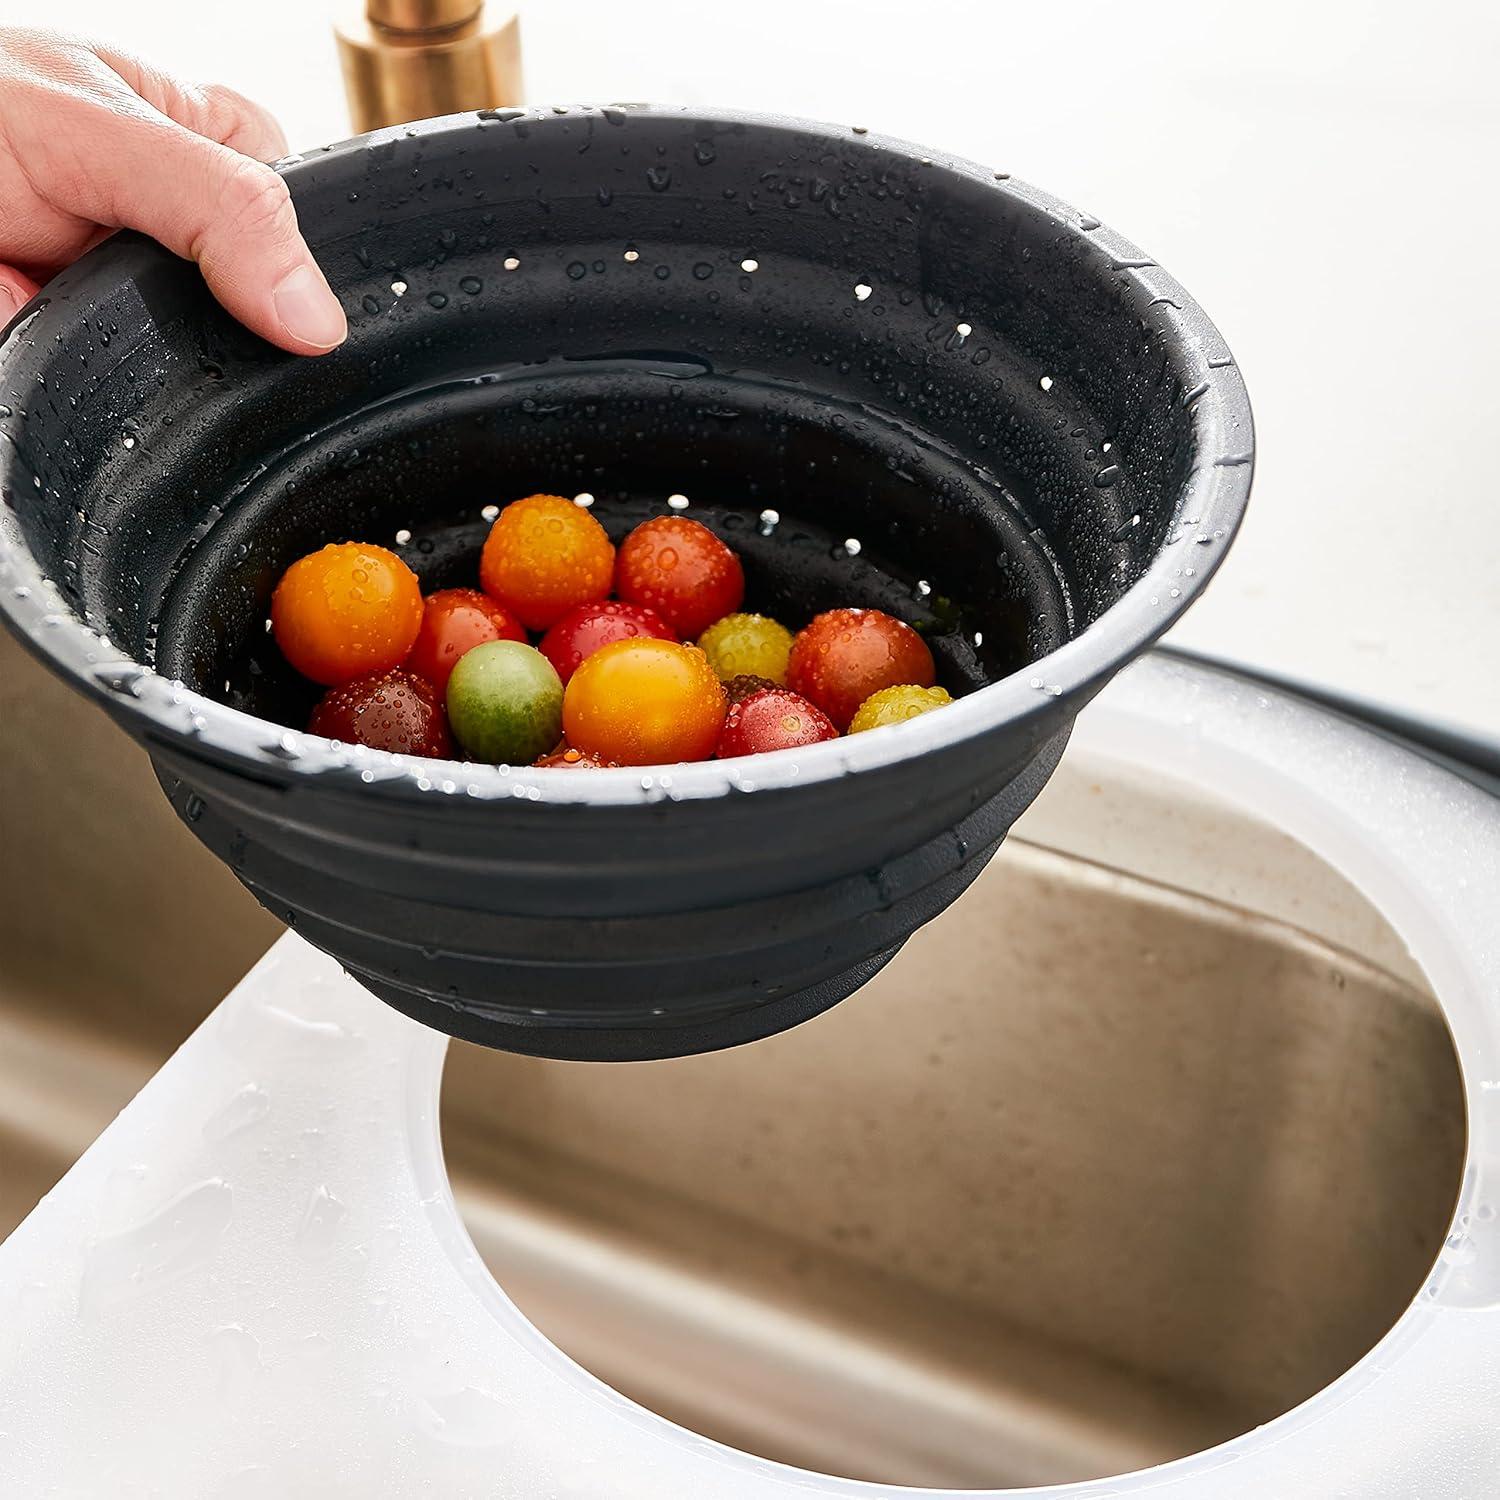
point(845, 655)
point(745, 685)
point(455, 621)
point(391, 711)
point(682, 570)
point(582, 631)
point(774, 718)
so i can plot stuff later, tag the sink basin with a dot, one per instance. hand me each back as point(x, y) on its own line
point(1147, 1139)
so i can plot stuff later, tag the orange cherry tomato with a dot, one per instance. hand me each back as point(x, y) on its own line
point(644, 702)
point(679, 568)
point(845, 655)
point(455, 621)
point(544, 556)
point(566, 758)
point(350, 610)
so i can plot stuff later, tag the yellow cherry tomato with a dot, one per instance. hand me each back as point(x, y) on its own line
point(895, 705)
point(744, 645)
point(644, 702)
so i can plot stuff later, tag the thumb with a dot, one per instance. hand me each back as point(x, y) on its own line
point(242, 230)
point(228, 212)
point(16, 290)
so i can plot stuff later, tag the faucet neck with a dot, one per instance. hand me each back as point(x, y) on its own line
point(422, 15)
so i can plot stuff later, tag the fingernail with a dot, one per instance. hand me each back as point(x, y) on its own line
point(309, 312)
point(10, 304)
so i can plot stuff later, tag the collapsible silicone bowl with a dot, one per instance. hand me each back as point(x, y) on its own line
point(887, 378)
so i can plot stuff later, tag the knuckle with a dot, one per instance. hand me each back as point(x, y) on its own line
point(222, 108)
point(255, 200)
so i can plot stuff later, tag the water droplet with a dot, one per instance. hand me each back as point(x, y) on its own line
point(678, 502)
point(862, 292)
point(472, 285)
point(399, 288)
point(511, 263)
point(181, 1234)
point(320, 1221)
point(247, 1107)
point(437, 299)
point(749, 265)
point(119, 677)
point(577, 270)
point(658, 178)
point(1045, 382)
point(583, 500)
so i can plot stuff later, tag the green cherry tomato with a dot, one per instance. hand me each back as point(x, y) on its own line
point(505, 703)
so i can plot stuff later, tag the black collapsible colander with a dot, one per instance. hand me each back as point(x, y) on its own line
point(886, 378)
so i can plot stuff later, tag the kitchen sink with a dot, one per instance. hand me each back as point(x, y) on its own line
point(1147, 1139)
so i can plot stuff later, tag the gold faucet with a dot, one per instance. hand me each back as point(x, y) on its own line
point(407, 59)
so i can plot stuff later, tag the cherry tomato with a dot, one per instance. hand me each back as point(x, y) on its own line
point(505, 703)
point(747, 644)
point(566, 758)
point(582, 631)
point(391, 711)
point(895, 705)
point(455, 621)
point(737, 689)
point(682, 570)
point(544, 556)
point(773, 719)
point(845, 655)
point(348, 611)
point(644, 703)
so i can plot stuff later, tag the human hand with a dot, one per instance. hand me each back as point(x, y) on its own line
point(93, 140)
